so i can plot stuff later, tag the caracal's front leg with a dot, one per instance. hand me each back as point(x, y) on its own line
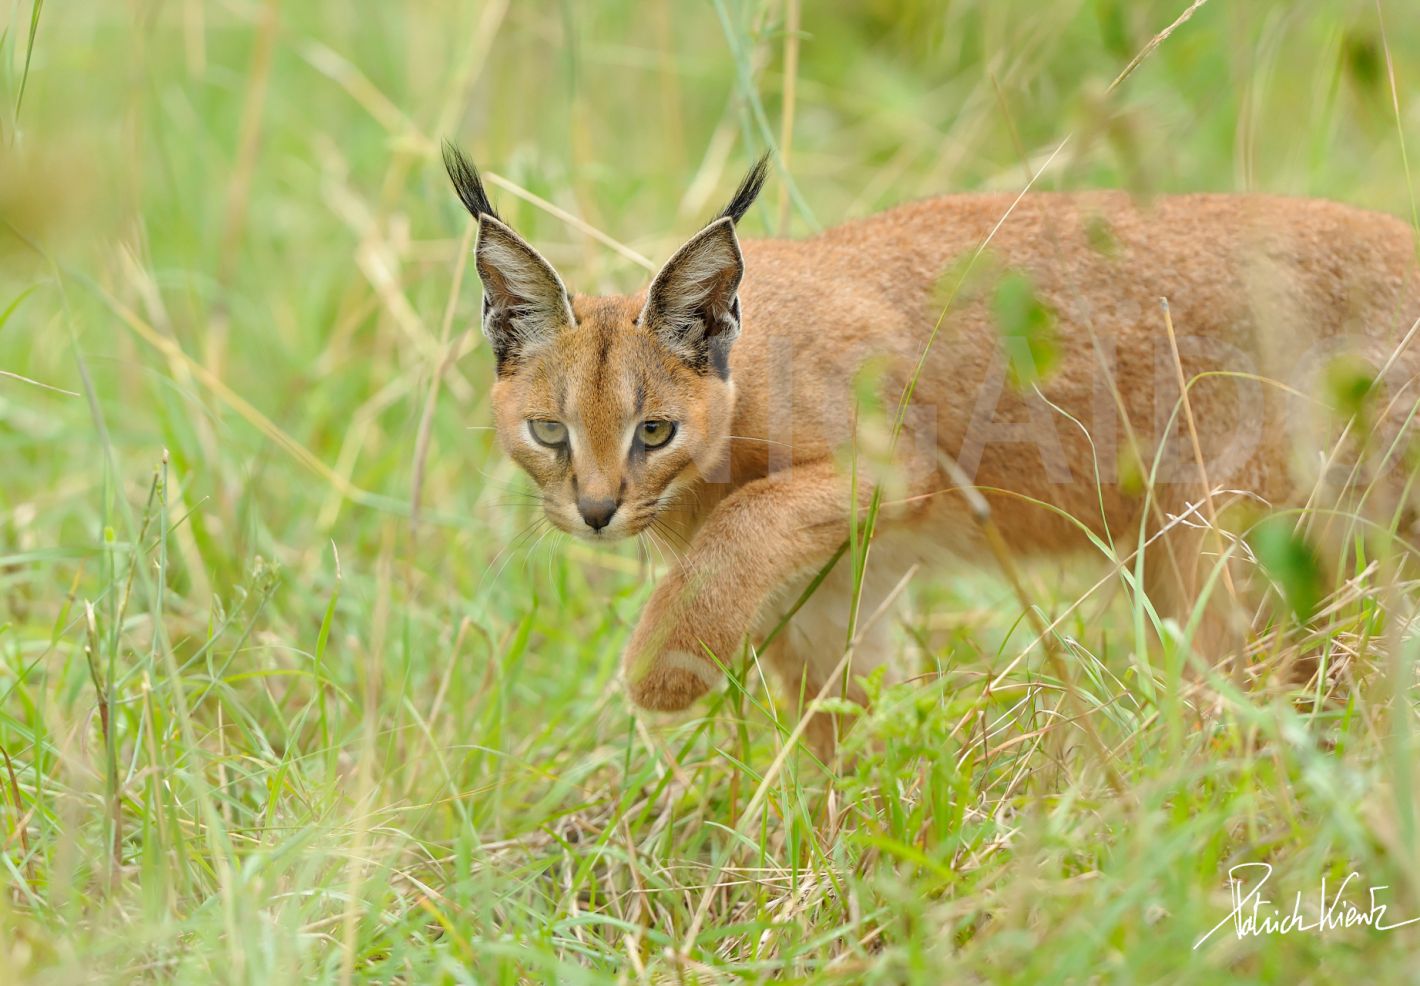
point(753, 542)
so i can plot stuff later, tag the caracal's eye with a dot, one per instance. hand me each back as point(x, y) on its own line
point(553, 434)
point(654, 434)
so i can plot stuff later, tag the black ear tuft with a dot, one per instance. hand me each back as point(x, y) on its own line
point(467, 183)
point(748, 190)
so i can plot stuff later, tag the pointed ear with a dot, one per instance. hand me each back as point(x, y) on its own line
point(524, 302)
point(693, 306)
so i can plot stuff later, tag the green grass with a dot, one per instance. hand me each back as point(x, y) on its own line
point(258, 725)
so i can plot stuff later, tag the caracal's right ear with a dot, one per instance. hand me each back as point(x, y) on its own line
point(524, 301)
point(693, 304)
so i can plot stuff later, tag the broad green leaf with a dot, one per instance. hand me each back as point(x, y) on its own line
point(1290, 562)
point(1027, 328)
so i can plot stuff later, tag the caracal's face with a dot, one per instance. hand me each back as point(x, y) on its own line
point(614, 406)
point(610, 425)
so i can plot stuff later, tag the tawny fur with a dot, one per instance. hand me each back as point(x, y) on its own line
point(754, 483)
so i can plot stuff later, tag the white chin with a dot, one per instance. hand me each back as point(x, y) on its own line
point(605, 535)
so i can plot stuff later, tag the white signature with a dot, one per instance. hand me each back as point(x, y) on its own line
point(1253, 914)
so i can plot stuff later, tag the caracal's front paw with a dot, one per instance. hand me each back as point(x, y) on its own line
point(670, 681)
point(666, 666)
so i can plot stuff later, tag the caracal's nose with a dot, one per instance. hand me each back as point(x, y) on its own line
point(596, 511)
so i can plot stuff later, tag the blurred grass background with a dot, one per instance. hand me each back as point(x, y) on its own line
point(260, 726)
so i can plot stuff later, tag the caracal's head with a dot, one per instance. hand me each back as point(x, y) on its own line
point(613, 405)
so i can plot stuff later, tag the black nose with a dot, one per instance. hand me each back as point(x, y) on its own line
point(597, 513)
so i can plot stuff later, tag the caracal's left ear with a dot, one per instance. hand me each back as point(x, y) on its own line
point(693, 305)
point(524, 301)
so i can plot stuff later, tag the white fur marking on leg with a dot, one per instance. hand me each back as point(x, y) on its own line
point(698, 666)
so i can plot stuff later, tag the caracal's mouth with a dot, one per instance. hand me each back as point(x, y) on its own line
point(620, 529)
